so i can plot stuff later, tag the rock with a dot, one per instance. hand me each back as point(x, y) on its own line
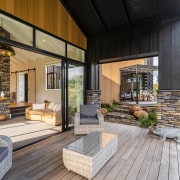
point(136, 108)
point(103, 110)
point(140, 113)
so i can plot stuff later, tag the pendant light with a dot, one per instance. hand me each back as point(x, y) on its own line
point(6, 50)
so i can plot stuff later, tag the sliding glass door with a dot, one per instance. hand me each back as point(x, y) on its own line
point(75, 91)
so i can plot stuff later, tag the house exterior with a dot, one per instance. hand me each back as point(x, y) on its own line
point(26, 22)
point(155, 34)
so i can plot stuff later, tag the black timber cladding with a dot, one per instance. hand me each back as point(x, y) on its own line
point(95, 16)
point(169, 56)
point(140, 29)
point(126, 43)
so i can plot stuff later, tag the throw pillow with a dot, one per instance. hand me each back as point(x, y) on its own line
point(38, 106)
point(57, 107)
point(51, 105)
point(54, 108)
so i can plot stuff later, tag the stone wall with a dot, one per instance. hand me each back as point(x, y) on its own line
point(5, 85)
point(168, 108)
point(93, 97)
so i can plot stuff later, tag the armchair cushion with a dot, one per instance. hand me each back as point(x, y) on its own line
point(89, 121)
point(88, 111)
point(3, 153)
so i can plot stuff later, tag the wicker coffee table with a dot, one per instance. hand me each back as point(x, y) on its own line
point(87, 155)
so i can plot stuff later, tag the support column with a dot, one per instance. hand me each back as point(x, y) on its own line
point(168, 110)
point(93, 97)
point(93, 77)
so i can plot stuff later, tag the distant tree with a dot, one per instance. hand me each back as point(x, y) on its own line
point(155, 88)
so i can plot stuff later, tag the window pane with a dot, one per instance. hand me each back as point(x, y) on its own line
point(75, 53)
point(49, 43)
point(75, 90)
point(53, 76)
point(17, 31)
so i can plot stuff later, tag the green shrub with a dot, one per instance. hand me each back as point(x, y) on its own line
point(116, 103)
point(146, 122)
point(110, 108)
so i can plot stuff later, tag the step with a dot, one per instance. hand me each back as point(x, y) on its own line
point(18, 111)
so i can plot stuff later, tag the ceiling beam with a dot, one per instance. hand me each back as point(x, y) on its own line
point(98, 15)
point(126, 13)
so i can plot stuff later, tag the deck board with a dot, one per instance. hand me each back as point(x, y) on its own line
point(117, 162)
point(173, 165)
point(139, 156)
point(144, 171)
point(164, 166)
point(155, 165)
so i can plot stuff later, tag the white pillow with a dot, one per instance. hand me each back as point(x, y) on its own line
point(50, 106)
point(54, 107)
point(58, 107)
point(38, 106)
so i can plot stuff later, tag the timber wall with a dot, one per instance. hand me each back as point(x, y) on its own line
point(110, 79)
point(49, 15)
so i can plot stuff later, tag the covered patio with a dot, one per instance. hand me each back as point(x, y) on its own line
point(137, 70)
point(139, 156)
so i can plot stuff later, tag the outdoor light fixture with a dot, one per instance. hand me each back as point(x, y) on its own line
point(6, 50)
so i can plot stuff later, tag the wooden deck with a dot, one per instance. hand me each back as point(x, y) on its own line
point(140, 156)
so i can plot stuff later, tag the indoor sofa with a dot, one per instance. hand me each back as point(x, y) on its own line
point(49, 113)
point(6, 149)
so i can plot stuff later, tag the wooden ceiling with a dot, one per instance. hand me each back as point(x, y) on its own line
point(94, 16)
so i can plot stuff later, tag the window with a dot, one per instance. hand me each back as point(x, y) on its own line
point(49, 43)
point(53, 76)
point(75, 53)
point(17, 31)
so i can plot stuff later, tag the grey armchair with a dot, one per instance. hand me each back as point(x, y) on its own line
point(88, 120)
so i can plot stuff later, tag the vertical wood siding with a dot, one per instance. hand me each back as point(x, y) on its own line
point(49, 15)
point(110, 79)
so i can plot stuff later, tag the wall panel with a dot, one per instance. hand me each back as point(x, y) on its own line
point(124, 44)
point(48, 15)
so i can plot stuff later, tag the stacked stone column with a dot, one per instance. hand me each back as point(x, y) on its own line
point(168, 108)
point(93, 97)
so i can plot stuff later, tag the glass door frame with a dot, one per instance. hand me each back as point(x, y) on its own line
point(65, 94)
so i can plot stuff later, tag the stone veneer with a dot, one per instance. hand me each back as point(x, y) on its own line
point(5, 85)
point(168, 108)
point(93, 97)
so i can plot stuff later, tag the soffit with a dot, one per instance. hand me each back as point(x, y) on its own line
point(94, 16)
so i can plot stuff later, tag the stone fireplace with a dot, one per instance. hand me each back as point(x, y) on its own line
point(5, 85)
point(168, 108)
